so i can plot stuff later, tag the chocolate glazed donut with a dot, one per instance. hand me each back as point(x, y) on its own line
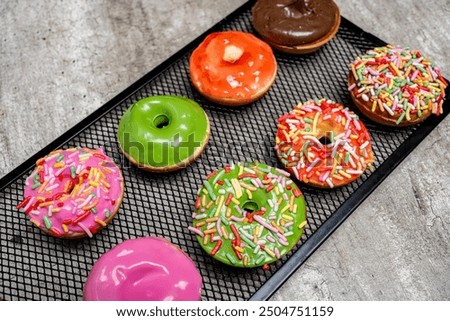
point(296, 26)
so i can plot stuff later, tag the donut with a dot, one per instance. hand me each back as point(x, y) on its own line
point(232, 68)
point(248, 214)
point(163, 133)
point(143, 269)
point(323, 144)
point(73, 192)
point(296, 26)
point(393, 86)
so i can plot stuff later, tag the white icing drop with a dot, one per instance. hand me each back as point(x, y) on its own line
point(233, 82)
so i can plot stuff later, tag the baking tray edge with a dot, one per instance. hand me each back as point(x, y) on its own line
point(267, 290)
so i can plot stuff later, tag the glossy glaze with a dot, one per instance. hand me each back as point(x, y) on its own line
point(248, 214)
point(294, 22)
point(143, 269)
point(73, 192)
point(163, 131)
point(239, 80)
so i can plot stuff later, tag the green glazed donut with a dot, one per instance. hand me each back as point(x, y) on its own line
point(163, 133)
point(248, 214)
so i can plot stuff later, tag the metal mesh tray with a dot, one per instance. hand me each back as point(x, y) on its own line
point(35, 266)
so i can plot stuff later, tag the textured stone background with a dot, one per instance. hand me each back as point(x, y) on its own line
point(60, 60)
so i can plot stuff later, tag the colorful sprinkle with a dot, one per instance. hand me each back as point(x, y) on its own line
point(59, 187)
point(317, 150)
point(247, 216)
point(47, 222)
point(396, 80)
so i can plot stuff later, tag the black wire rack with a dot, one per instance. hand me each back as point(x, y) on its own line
point(35, 266)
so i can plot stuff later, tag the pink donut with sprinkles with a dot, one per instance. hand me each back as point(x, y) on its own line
point(323, 144)
point(73, 193)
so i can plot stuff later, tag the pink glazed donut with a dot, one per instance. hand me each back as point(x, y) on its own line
point(73, 193)
point(144, 269)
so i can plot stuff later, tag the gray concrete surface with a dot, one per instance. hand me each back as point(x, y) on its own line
point(60, 60)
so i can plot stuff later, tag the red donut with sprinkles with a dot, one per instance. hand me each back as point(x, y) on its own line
point(323, 144)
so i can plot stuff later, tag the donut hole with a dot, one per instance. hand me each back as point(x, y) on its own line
point(251, 206)
point(325, 139)
point(161, 121)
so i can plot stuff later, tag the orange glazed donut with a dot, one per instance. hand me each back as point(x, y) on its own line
point(323, 144)
point(232, 68)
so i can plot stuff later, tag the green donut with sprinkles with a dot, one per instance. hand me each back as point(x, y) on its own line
point(393, 86)
point(248, 214)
